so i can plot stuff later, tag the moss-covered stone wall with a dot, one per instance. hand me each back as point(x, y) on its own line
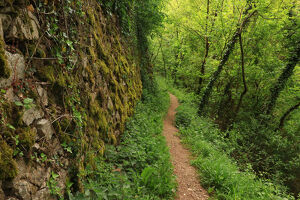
point(69, 82)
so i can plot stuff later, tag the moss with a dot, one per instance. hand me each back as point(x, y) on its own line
point(91, 75)
point(114, 139)
point(5, 71)
point(46, 73)
point(97, 116)
point(38, 52)
point(8, 166)
point(65, 125)
point(93, 54)
point(103, 67)
point(27, 137)
point(13, 113)
point(62, 80)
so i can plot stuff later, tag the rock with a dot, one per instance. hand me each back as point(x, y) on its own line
point(1, 191)
point(64, 162)
point(1, 29)
point(24, 189)
point(12, 198)
point(10, 96)
point(16, 63)
point(39, 176)
point(43, 95)
point(23, 169)
point(36, 147)
point(118, 117)
point(32, 114)
point(61, 181)
point(110, 104)
point(5, 21)
point(45, 129)
point(42, 194)
point(24, 27)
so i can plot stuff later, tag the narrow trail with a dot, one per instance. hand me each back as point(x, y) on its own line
point(189, 187)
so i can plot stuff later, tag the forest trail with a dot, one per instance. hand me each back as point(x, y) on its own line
point(189, 187)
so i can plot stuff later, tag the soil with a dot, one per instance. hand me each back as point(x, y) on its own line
point(189, 187)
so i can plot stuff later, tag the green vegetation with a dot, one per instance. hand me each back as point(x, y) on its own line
point(236, 61)
point(218, 172)
point(240, 59)
point(139, 167)
point(4, 69)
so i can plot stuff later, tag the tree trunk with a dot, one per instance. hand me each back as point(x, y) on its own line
point(288, 71)
point(206, 49)
point(243, 75)
point(164, 60)
point(229, 49)
point(285, 75)
point(286, 114)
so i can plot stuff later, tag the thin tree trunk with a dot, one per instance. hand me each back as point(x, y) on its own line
point(229, 49)
point(243, 75)
point(288, 71)
point(286, 114)
point(206, 48)
point(285, 75)
point(154, 57)
point(164, 60)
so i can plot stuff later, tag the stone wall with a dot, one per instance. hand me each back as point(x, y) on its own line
point(68, 84)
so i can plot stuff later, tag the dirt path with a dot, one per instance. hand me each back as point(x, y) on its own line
point(189, 187)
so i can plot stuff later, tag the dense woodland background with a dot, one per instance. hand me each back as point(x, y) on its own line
point(240, 59)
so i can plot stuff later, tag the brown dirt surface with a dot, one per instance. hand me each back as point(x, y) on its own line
point(189, 187)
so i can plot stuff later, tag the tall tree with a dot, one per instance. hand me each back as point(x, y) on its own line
point(225, 57)
point(206, 47)
point(294, 55)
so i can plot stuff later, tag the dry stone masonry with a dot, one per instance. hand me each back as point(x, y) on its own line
point(58, 109)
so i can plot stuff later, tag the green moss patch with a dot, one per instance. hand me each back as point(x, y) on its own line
point(8, 167)
point(4, 69)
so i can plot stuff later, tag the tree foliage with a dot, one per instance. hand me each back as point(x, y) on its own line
point(242, 60)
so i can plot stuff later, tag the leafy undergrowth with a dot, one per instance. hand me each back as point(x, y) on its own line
point(219, 173)
point(140, 167)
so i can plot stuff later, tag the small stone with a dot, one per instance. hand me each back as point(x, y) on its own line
point(43, 94)
point(36, 146)
point(1, 191)
point(41, 176)
point(32, 114)
point(22, 169)
point(62, 179)
point(5, 21)
point(23, 189)
point(16, 63)
point(118, 117)
point(1, 30)
point(110, 104)
point(10, 96)
point(24, 26)
point(45, 129)
point(42, 194)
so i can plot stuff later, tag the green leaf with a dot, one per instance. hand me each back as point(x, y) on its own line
point(28, 101)
point(27, 106)
point(54, 175)
point(18, 103)
point(11, 126)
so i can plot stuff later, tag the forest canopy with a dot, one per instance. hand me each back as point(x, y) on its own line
point(241, 60)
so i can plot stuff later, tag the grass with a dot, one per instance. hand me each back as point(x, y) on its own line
point(219, 173)
point(140, 167)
